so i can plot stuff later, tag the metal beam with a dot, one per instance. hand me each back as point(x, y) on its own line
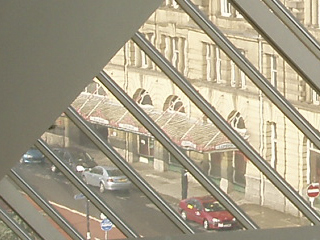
point(285, 15)
point(28, 212)
point(158, 133)
point(220, 122)
point(87, 192)
point(13, 225)
point(249, 69)
point(286, 35)
point(130, 172)
point(45, 206)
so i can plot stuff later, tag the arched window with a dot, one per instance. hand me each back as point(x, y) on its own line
point(236, 120)
point(174, 103)
point(141, 96)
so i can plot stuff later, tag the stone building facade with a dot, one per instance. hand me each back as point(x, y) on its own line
point(229, 91)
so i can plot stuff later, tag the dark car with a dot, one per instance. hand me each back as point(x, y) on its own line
point(33, 155)
point(208, 212)
point(106, 178)
point(77, 159)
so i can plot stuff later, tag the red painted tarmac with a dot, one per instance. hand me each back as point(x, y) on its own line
point(79, 222)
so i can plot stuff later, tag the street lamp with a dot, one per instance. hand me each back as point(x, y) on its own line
point(79, 197)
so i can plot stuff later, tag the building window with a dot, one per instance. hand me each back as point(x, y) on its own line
point(175, 50)
point(145, 60)
point(225, 8)
point(174, 103)
point(146, 146)
point(315, 97)
point(272, 144)
point(171, 4)
point(130, 52)
point(212, 63)
point(307, 94)
point(228, 11)
point(236, 120)
point(137, 57)
point(95, 88)
point(312, 13)
point(238, 78)
point(271, 69)
point(142, 97)
point(314, 162)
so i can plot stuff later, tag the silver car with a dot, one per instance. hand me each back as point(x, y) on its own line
point(106, 178)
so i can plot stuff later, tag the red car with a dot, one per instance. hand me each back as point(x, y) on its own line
point(208, 212)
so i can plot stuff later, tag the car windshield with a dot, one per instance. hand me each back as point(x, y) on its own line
point(82, 156)
point(114, 173)
point(213, 207)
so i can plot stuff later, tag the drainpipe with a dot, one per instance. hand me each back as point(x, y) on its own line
point(261, 116)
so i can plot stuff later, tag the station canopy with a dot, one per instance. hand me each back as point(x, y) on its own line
point(188, 133)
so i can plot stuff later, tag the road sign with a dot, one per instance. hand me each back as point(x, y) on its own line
point(106, 224)
point(79, 196)
point(313, 190)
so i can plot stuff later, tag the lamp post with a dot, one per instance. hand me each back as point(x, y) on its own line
point(88, 219)
point(79, 197)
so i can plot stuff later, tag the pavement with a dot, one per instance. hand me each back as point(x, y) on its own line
point(168, 185)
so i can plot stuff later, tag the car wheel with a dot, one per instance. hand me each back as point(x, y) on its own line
point(101, 187)
point(184, 215)
point(53, 168)
point(206, 224)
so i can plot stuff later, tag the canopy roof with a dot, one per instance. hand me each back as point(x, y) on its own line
point(189, 133)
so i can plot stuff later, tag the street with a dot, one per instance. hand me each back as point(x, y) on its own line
point(132, 207)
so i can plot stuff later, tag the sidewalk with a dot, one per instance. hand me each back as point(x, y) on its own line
point(168, 185)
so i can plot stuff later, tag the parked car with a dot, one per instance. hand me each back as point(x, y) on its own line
point(33, 155)
point(208, 212)
point(106, 178)
point(78, 159)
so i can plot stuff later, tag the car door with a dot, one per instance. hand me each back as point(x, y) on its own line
point(88, 176)
point(190, 209)
point(198, 212)
point(96, 176)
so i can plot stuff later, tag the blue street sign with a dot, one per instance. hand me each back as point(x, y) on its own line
point(79, 196)
point(106, 224)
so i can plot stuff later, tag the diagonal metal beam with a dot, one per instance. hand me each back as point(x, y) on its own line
point(130, 172)
point(294, 25)
point(225, 127)
point(48, 209)
point(87, 192)
point(158, 133)
point(289, 38)
point(28, 212)
point(249, 69)
point(13, 225)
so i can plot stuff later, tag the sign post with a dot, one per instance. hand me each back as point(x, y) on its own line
point(106, 226)
point(313, 191)
point(80, 196)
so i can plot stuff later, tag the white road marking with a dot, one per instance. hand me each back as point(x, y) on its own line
point(74, 211)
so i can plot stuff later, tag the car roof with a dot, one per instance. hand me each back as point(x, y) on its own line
point(204, 198)
point(109, 167)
